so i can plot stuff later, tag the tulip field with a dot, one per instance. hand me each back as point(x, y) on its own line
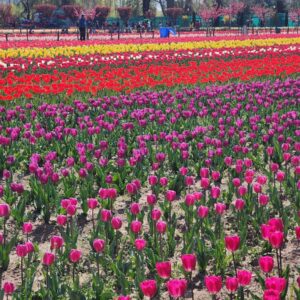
point(150, 169)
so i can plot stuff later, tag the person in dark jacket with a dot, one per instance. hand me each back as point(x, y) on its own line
point(82, 28)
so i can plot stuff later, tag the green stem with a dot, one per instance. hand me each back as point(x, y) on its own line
point(160, 247)
point(4, 232)
point(234, 264)
point(73, 273)
point(22, 275)
point(98, 265)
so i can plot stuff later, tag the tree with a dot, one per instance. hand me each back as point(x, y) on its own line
point(173, 13)
point(102, 13)
point(71, 11)
point(45, 11)
point(233, 9)
point(146, 6)
point(124, 13)
point(5, 14)
point(27, 6)
point(209, 14)
point(262, 13)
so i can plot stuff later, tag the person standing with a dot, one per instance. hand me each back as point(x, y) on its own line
point(82, 28)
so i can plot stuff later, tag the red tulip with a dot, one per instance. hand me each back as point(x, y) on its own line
point(266, 263)
point(75, 255)
point(8, 288)
point(213, 284)
point(48, 259)
point(140, 244)
point(276, 239)
point(98, 245)
point(275, 283)
point(232, 284)
point(164, 269)
point(189, 262)
point(232, 243)
point(280, 176)
point(271, 295)
point(116, 223)
point(176, 287)
point(244, 277)
point(149, 288)
point(56, 242)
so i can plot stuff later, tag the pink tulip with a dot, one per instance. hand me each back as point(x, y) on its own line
point(244, 277)
point(266, 263)
point(149, 288)
point(48, 259)
point(276, 239)
point(170, 195)
point(61, 220)
point(105, 215)
point(275, 283)
point(202, 211)
point(231, 284)
point(98, 245)
point(75, 255)
point(213, 284)
point(189, 262)
point(4, 210)
point(8, 288)
point(140, 244)
point(116, 223)
point(135, 208)
point(271, 295)
point(232, 243)
point(155, 214)
point(21, 250)
point(220, 208)
point(56, 242)
point(176, 287)
point(27, 228)
point(124, 297)
point(239, 204)
point(92, 203)
point(151, 199)
point(163, 269)
point(161, 227)
point(136, 226)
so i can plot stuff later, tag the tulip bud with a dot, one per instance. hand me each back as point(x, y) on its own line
point(21, 250)
point(213, 284)
point(61, 220)
point(161, 227)
point(136, 226)
point(4, 210)
point(140, 244)
point(202, 211)
point(56, 242)
point(170, 195)
point(8, 288)
point(189, 262)
point(92, 203)
point(163, 269)
point(75, 255)
point(98, 245)
point(244, 277)
point(155, 214)
point(176, 287)
point(116, 223)
point(266, 263)
point(232, 243)
point(231, 284)
point(48, 259)
point(27, 228)
point(149, 288)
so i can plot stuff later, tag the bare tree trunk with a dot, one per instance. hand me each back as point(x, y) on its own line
point(146, 6)
point(170, 3)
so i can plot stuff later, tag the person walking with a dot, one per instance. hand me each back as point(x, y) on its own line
point(82, 28)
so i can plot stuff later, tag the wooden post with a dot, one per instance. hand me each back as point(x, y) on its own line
point(6, 37)
point(141, 34)
point(153, 34)
point(27, 34)
point(118, 34)
point(57, 35)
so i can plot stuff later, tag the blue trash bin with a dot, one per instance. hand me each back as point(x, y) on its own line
point(164, 32)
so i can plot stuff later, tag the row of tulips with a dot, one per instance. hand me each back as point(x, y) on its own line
point(154, 193)
point(43, 43)
point(108, 80)
point(105, 49)
point(35, 65)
